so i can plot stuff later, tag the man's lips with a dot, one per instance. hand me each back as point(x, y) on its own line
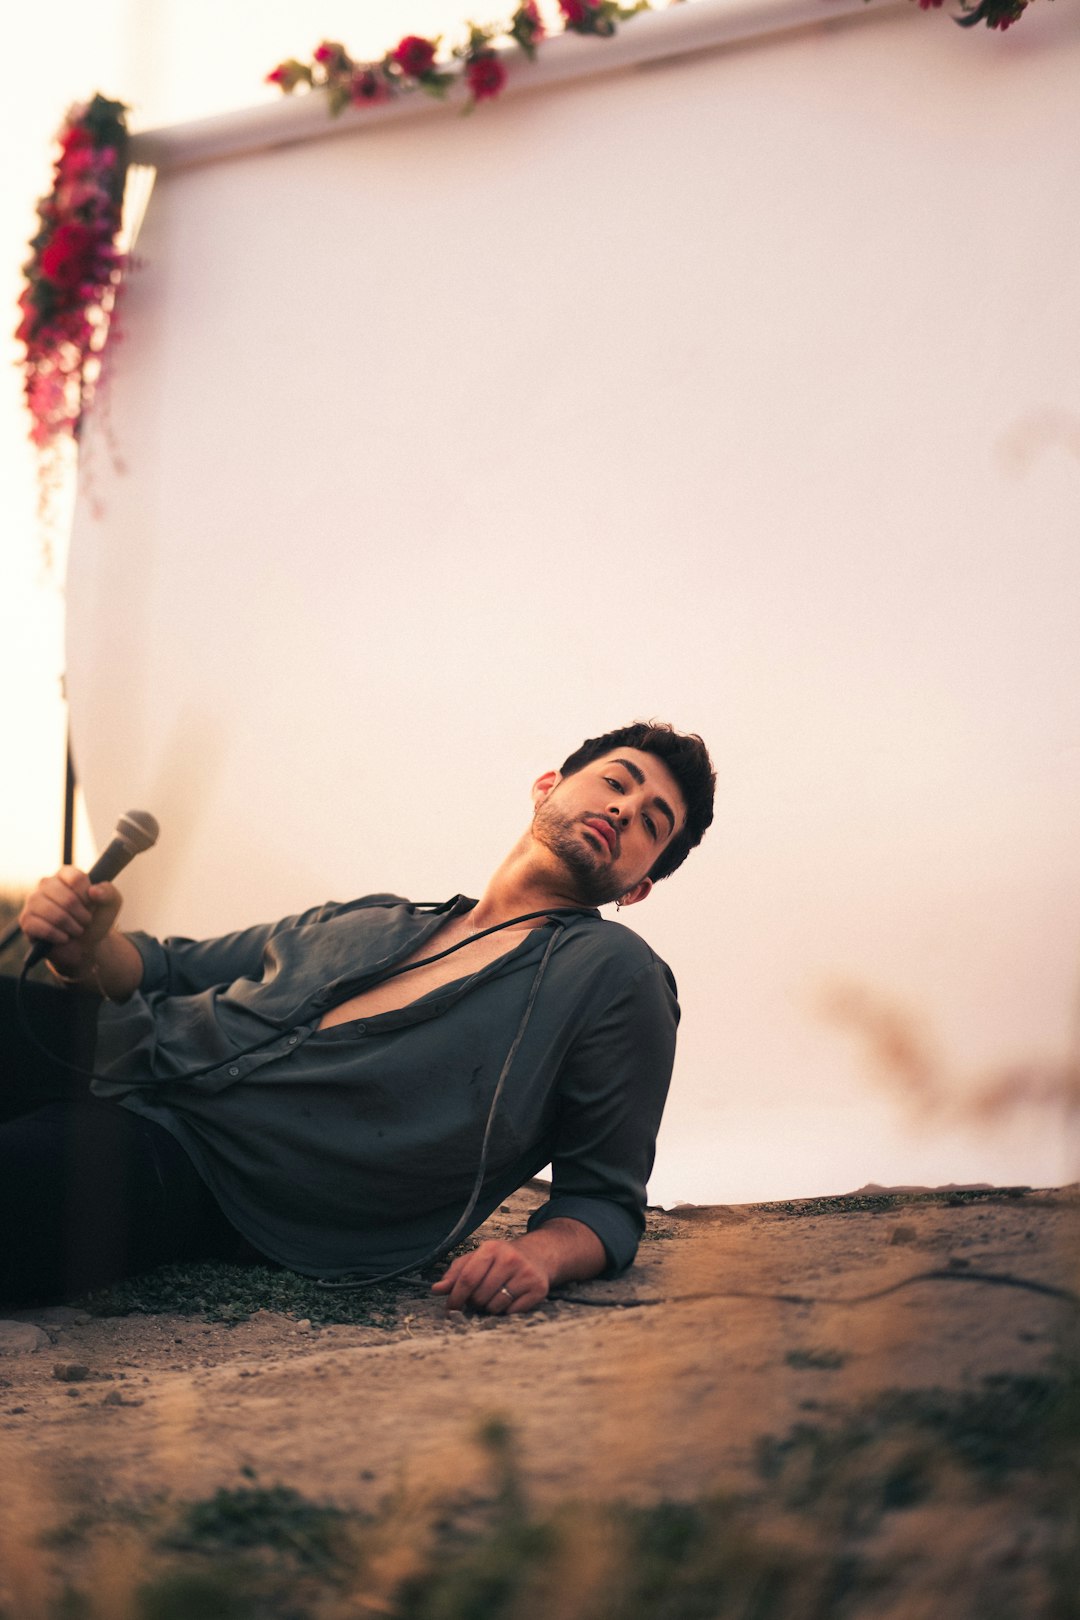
point(603, 830)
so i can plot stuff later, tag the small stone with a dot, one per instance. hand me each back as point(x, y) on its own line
point(116, 1398)
point(304, 1325)
point(902, 1234)
point(54, 1316)
point(21, 1338)
point(71, 1372)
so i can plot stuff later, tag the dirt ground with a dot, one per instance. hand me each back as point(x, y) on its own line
point(739, 1332)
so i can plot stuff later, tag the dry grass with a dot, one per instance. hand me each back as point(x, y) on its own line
point(831, 1532)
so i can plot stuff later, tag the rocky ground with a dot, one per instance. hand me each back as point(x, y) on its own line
point(860, 1406)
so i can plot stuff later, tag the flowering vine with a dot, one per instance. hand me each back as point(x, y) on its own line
point(73, 271)
point(75, 264)
point(414, 63)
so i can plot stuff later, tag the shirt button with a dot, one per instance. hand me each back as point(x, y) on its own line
point(292, 1040)
point(360, 1028)
point(234, 1069)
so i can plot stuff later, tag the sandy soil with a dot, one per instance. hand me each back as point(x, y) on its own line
point(735, 1325)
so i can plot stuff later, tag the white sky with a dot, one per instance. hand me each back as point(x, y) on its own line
point(170, 62)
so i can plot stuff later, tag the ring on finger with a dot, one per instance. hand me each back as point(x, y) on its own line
point(511, 1297)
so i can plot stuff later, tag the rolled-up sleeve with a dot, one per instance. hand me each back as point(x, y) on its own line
point(612, 1092)
point(183, 967)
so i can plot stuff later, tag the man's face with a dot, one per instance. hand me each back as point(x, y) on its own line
point(609, 823)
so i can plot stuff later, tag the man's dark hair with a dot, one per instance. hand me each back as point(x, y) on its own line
point(685, 756)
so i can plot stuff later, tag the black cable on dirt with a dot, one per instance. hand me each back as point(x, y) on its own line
point(1000, 1279)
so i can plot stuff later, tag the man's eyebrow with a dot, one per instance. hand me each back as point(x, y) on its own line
point(639, 777)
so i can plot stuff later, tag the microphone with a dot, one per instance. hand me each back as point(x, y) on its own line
point(135, 832)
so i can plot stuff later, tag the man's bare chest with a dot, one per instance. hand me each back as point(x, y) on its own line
point(406, 988)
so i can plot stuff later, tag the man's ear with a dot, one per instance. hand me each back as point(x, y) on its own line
point(640, 891)
point(543, 786)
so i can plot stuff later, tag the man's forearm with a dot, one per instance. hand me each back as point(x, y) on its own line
point(115, 968)
point(568, 1250)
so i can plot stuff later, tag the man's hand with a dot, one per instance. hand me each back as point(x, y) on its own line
point(497, 1277)
point(75, 918)
point(505, 1278)
point(72, 916)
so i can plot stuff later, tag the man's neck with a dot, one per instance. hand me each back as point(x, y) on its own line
point(521, 884)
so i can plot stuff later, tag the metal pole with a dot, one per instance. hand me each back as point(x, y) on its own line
point(69, 803)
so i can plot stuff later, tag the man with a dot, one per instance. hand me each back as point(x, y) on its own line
point(349, 1091)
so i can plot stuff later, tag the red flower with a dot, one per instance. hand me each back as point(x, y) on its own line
point(527, 26)
point(78, 159)
point(67, 258)
point(415, 56)
point(332, 56)
point(485, 75)
point(577, 11)
point(75, 137)
point(368, 87)
point(288, 74)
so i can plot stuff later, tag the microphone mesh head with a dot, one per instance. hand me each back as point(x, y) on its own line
point(138, 830)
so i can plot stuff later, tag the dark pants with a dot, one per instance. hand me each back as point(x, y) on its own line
point(89, 1192)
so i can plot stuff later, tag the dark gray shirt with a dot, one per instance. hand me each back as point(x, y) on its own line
point(355, 1148)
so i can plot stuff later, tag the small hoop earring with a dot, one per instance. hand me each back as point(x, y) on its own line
point(618, 905)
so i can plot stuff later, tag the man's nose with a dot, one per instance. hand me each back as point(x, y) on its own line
point(620, 813)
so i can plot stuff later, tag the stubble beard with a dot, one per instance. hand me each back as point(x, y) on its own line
point(594, 884)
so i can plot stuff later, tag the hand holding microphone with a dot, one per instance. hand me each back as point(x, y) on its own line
point(69, 914)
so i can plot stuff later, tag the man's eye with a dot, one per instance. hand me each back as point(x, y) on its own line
point(613, 781)
point(651, 825)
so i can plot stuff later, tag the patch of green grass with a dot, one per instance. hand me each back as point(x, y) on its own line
point(887, 1454)
point(208, 1594)
point(94, 1511)
point(227, 1293)
point(274, 1517)
point(879, 1203)
point(824, 1360)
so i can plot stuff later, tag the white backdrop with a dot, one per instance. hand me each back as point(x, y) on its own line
point(743, 391)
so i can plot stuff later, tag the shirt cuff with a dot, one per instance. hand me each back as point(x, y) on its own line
point(614, 1226)
point(155, 962)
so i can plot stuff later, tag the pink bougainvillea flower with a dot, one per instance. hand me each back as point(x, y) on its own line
point(78, 160)
point(67, 256)
point(415, 56)
point(66, 303)
point(75, 138)
point(485, 75)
